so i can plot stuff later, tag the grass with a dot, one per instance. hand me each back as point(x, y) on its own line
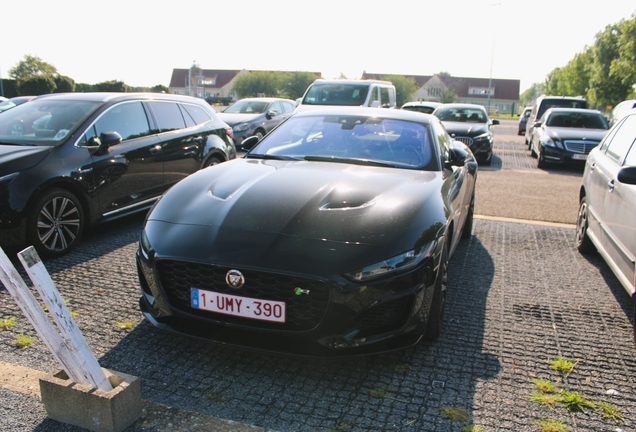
point(545, 386)
point(549, 400)
point(8, 323)
point(562, 365)
point(575, 402)
point(552, 426)
point(215, 396)
point(472, 428)
point(455, 414)
point(23, 341)
point(392, 366)
point(377, 393)
point(125, 324)
point(610, 412)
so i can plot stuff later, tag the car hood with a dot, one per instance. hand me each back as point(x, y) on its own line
point(466, 129)
point(319, 216)
point(15, 158)
point(576, 133)
point(234, 119)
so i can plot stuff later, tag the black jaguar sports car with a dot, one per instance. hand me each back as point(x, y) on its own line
point(330, 237)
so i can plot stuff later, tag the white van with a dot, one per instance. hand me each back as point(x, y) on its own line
point(368, 93)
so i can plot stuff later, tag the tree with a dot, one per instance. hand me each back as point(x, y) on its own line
point(36, 85)
point(404, 88)
point(625, 65)
point(448, 95)
point(159, 88)
point(295, 84)
point(257, 84)
point(63, 84)
point(111, 86)
point(531, 94)
point(31, 66)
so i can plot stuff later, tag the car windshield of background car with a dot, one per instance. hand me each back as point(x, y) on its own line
point(43, 121)
point(577, 120)
point(246, 107)
point(462, 115)
point(342, 138)
point(337, 94)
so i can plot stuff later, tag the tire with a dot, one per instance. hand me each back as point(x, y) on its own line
point(487, 162)
point(212, 161)
point(583, 242)
point(467, 231)
point(541, 163)
point(259, 133)
point(56, 223)
point(436, 316)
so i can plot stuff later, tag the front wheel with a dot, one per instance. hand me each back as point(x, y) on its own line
point(212, 161)
point(56, 223)
point(436, 316)
point(583, 242)
point(541, 163)
point(467, 231)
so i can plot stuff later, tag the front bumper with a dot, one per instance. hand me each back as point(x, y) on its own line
point(557, 155)
point(358, 319)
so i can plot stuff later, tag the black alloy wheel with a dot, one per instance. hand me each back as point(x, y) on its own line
point(212, 161)
point(541, 163)
point(583, 242)
point(436, 316)
point(56, 223)
point(260, 133)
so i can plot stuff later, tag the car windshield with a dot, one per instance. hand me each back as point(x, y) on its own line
point(350, 139)
point(246, 107)
point(43, 121)
point(469, 115)
point(337, 94)
point(577, 120)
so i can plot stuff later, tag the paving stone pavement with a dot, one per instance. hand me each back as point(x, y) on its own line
point(519, 296)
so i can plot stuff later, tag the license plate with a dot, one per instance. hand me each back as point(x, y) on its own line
point(264, 310)
point(579, 156)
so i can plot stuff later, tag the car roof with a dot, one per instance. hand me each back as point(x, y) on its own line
point(350, 81)
point(386, 113)
point(115, 97)
point(561, 110)
point(264, 99)
point(461, 105)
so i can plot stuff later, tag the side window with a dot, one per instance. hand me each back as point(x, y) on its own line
point(288, 107)
point(128, 119)
point(622, 140)
point(630, 160)
point(189, 121)
point(373, 96)
point(198, 114)
point(276, 107)
point(385, 96)
point(168, 116)
point(443, 139)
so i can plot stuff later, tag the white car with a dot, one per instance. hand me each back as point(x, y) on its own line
point(607, 211)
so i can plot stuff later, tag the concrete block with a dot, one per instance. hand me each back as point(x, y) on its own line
point(94, 409)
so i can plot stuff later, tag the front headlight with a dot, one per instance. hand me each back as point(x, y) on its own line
point(400, 263)
point(9, 177)
point(482, 137)
point(549, 142)
point(144, 245)
point(241, 127)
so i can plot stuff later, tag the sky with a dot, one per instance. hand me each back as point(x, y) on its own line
point(140, 42)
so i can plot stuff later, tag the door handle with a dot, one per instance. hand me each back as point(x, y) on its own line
point(611, 185)
point(592, 166)
point(155, 149)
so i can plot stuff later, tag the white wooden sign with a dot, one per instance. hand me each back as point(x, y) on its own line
point(68, 345)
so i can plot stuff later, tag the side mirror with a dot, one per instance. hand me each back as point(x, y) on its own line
point(271, 114)
point(537, 124)
point(495, 121)
point(249, 143)
point(457, 157)
point(110, 138)
point(627, 175)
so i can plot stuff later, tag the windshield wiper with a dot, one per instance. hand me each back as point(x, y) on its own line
point(269, 157)
point(355, 161)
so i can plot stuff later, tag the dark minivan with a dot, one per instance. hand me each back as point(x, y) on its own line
point(83, 158)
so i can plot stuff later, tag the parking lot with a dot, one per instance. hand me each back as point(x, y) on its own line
point(519, 297)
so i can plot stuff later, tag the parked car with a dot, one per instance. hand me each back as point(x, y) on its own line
point(331, 237)
point(2, 99)
point(523, 120)
point(421, 106)
point(621, 110)
point(606, 221)
point(96, 157)
point(255, 116)
point(469, 124)
point(14, 102)
point(365, 93)
point(543, 103)
point(566, 135)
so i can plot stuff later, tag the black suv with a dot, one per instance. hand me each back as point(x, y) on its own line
point(543, 103)
point(69, 161)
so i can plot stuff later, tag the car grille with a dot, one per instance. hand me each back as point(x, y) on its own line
point(466, 140)
point(304, 312)
point(580, 146)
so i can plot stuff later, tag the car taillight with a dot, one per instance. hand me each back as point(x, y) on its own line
point(229, 132)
